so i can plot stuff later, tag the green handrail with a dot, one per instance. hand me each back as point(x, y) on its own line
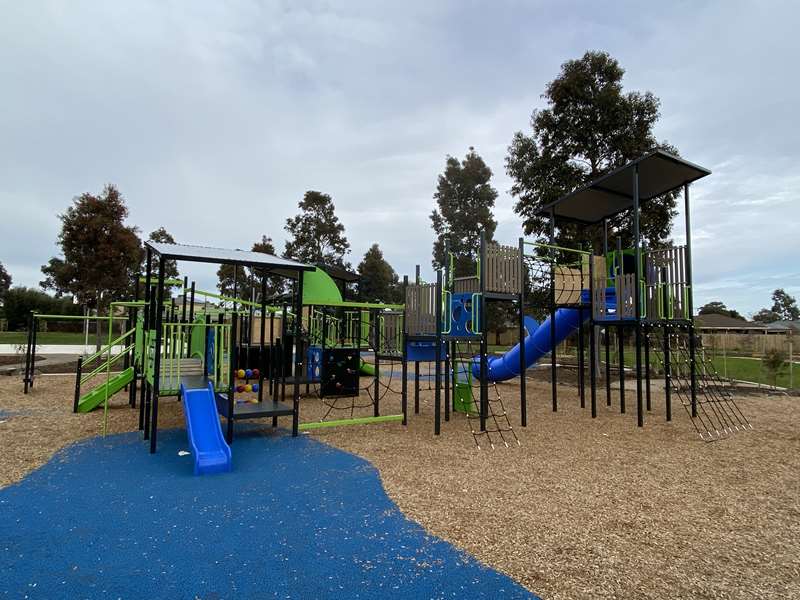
point(105, 349)
point(475, 317)
point(447, 300)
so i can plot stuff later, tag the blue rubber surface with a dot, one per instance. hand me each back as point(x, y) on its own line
point(295, 519)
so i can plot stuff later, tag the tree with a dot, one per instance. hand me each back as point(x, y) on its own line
point(465, 199)
point(785, 306)
point(20, 301)
point(589, 128)
point(773, 362)
point(765, 315)
point(317, 236)
point(379, 281)
point(5, 282)
point(163, 236)
point(236, 279)
point(101, 253)
point(718, 308)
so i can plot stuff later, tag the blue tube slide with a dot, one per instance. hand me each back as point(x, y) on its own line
point(211, 452)
point(537, 343)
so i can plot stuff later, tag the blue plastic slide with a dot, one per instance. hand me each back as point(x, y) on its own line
point(537, 342)
point(209, 448)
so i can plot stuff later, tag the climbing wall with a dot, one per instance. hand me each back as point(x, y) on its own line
point(340, 372)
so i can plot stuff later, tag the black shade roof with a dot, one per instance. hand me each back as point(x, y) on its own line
point(339, 273)
point(274, 264)
point(659, 173)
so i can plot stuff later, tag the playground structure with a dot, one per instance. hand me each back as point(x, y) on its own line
point(314, 341)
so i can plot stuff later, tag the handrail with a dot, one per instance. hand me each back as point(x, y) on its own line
point(475, 316)
point(104, 349)
point(113, 360)
point(448, 311)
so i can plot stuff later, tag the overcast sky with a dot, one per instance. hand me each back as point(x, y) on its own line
point(214, 118)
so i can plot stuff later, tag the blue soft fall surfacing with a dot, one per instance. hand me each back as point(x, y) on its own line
point(295, 519)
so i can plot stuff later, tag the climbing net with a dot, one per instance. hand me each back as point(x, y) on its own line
point(498, 427)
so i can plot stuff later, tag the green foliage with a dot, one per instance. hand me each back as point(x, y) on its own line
point(765, 315)
point(231, 278)
point(101, 253)
point(590, 127)
point(785, 306)
point(163, 236)
point(20, 301)
point(379, 281)
point(718, 308)
point(317, 236)
point(773, 362)
point(5, 282)
point(465, 199)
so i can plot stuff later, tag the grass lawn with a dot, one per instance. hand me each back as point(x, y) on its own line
point(44, 337)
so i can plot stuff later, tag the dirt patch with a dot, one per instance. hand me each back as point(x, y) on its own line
point(582, 509)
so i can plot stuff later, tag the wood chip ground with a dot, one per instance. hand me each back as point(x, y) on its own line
point(582, 509)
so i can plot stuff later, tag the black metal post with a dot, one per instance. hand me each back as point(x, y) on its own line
point(26, 378)
point(261, 334)
point(233, 356)
point(404, 367)
point(581, 368)
point(523, 380)
point(77, 385)
point(667, 374)
point(157, 357)
point(647, 332)
point(607, 340)
point(690, 298)
point(32, 374)
point(637, 299)
point(553, 374)
point(484, 353)
point(374, 320)
point(621, 332)
point(145, 344)
point(437, 395)
point(298, 357)
point(592, 341)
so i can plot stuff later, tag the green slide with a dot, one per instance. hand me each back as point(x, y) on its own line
point(93, 399)
point(367, 368)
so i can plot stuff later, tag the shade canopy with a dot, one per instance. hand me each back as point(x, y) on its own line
point(224, 256)
point(659, 173)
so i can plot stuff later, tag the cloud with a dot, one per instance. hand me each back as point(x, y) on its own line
point(214, 119)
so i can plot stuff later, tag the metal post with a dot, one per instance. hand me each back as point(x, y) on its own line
point(637, 300)
point(32, 374)
point(157, 357)
point(690, 296)
point(621, 333)
point(592, 341)
point(484, 358)
point(261, 334)
point(233, 356)
point(77, 385)
point(25, 380)
point(447, 362)
point(298, 357)
point(145, 334)
point(404, 367)
point(647, 332)
point(437, 406)
point(553, 374)
point(581, 369)
point(377, 342)
point(607, 340)
point(523, 382)
point(667, 374)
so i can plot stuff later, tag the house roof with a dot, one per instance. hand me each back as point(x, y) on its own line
point(715, 321)
point(659, 173)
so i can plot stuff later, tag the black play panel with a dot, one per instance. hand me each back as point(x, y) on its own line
point(340, 372)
